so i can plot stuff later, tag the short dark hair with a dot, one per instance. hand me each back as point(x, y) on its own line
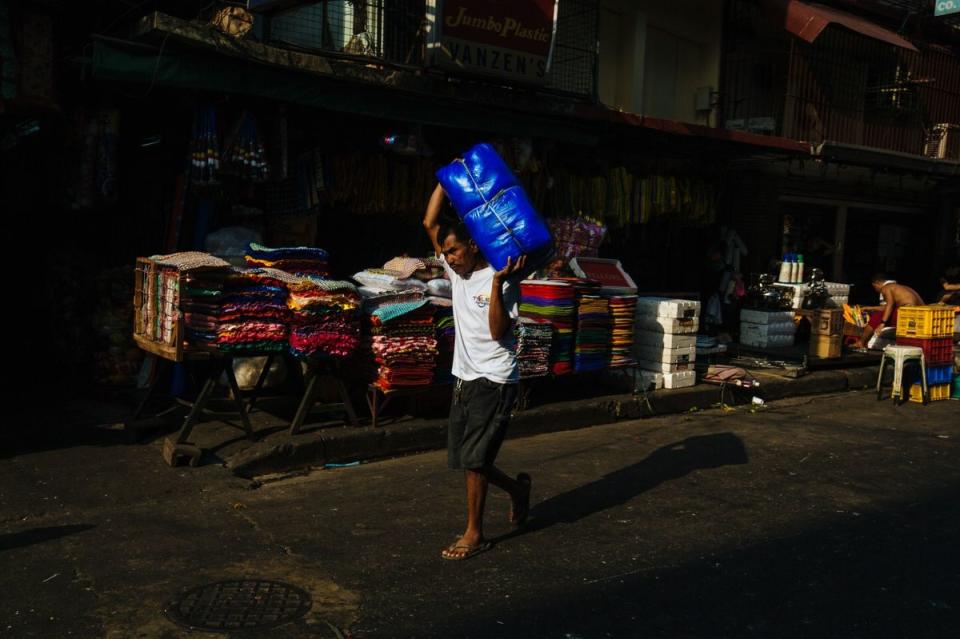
point(879, 277)
point(455, 228)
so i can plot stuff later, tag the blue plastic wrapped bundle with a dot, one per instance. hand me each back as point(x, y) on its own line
point(475, 179)
point(495, 209)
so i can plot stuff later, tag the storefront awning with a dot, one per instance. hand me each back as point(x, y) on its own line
point(199, 70)
point(807, 22)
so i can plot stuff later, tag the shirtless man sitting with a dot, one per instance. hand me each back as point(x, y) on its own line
point(893, 296)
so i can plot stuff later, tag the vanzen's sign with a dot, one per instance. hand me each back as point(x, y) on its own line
point(507, 39)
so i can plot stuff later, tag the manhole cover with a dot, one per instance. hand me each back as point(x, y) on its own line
point(234, 605)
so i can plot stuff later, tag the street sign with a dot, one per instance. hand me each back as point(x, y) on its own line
point(946, 7)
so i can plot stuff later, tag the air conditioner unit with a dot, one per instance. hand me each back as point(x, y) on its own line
point(943, 142)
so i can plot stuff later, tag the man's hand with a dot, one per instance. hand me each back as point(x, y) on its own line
point(510, 269)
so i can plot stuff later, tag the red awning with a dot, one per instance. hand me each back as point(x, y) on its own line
point(807, 22)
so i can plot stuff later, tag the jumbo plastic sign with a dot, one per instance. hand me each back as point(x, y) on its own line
point(507, 39)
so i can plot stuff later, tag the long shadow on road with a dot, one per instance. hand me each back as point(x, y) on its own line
point(667, 462)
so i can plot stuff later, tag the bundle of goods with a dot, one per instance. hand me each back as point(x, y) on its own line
point(446, 334)
point(299, 260)
point(665, 339)
point(534, 339)
point(245, 155)
point(201, 301)
point(403, 343)
point(324, 318)
point(495, 209)
point(554, 302)
point(423, 269)
point(577, 236)
point(767, 329)
point(205, 151)
point(592, 344)
point(160, 304)
point(623, 310)
point(254, 316)
point(929, 328)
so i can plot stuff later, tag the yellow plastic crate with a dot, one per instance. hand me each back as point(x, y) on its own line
point(925, 321)
point(938, 392)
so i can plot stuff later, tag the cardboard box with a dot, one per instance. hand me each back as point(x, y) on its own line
point(826, 346)
point(826, 321)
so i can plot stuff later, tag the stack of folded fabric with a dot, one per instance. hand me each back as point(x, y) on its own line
point(446, 336)
point(623, 310)
point(554, 302)
point(201, 300)
point(299, 260)
point(534, 338)
point(254, 314)
point(403, 344)
point(324, 318)
point(592, 342)
point(423, 269)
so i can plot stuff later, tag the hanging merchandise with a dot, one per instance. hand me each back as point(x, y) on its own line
point(579, 236)
point(205, 148)
point(245, 155)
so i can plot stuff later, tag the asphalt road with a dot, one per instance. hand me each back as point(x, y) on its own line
point(819, 517)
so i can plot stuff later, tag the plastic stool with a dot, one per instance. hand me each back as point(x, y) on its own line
point(898, 356)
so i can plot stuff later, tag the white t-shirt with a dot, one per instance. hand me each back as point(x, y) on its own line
point(475, 353)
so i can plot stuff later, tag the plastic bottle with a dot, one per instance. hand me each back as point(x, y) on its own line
point(799, 269)
point(785, 269)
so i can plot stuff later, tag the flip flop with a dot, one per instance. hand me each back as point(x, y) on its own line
point(471, 551)
point(520, 514)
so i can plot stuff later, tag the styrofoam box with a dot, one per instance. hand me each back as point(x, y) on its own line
point(665, 355)
point(666, 340)
point(667, 326)
point(771, 341)
point(837, 289)
point(648, 380)
point(660, 367)
point(756, 332)
point(765, 317)
point(681, 379)
point(665, 307)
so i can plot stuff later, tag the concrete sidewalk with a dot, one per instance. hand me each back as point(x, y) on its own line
point(276, 451)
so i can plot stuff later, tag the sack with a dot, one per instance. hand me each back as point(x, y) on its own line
point(495, 209)
point(474, 179)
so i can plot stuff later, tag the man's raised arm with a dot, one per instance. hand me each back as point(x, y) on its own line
point(431, 219)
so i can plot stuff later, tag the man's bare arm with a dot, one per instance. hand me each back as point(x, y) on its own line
point(431, 219)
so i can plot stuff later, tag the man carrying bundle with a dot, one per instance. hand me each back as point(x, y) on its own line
point(486, 373)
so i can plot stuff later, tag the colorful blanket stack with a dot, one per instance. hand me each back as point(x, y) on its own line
point(534, 339)
point(623, 311)
point(324, 318)
point(201, 300)
point(592, 342)
point(299, 260)
point(404, 344)
point(254, 314)
point(554, 302)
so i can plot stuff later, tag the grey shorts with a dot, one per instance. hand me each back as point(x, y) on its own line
point(479, 415)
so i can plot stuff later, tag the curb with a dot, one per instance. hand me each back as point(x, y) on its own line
point(349, 444)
